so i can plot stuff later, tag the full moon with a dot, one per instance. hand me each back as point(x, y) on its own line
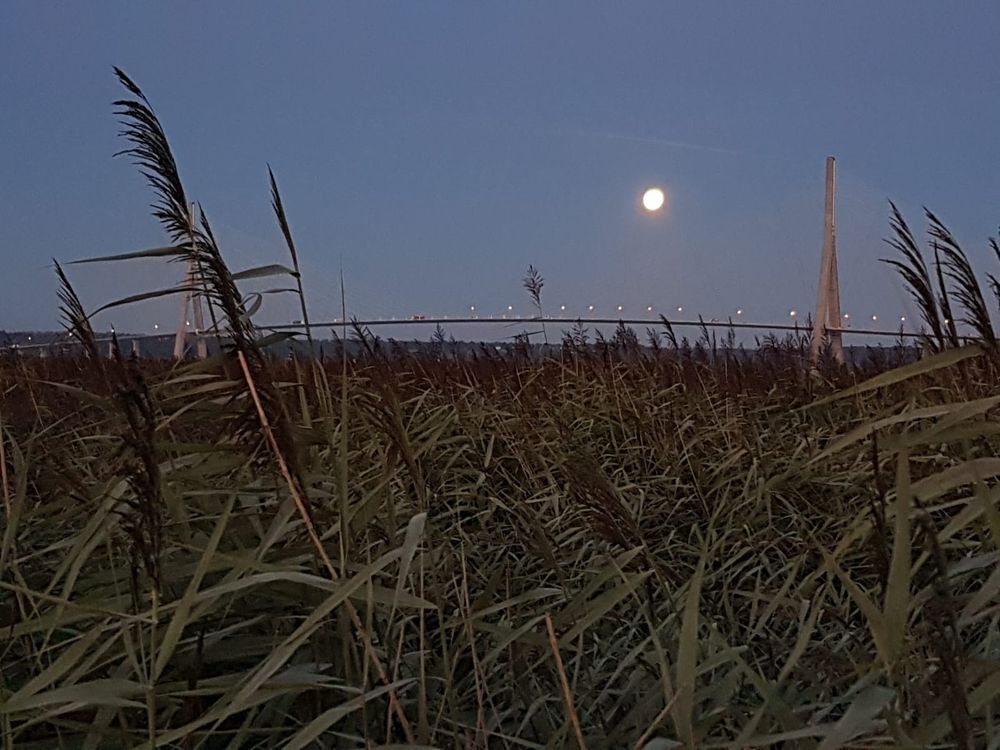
point(652, 199)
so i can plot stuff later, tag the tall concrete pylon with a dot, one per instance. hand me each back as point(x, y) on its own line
point(827, 321)
point(192, 281)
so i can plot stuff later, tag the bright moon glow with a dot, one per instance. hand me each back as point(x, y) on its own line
point(652, 199)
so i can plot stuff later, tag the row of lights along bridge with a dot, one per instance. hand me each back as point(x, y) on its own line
point(591, 311)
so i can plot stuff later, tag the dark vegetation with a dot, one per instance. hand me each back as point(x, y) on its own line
point(677, 545)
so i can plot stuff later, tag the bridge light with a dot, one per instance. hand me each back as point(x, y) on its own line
point(680, 309)
point(874, 317)
point(739, 311)
point(792, 313)
point(902, 319)
point(649, 308)
point(620, 308)
point(562, 308)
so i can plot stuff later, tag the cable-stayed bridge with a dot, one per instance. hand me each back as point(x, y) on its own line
point(517, 325)
point(827, 325)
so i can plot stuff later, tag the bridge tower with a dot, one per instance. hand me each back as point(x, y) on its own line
point(827, 321)
point(191, 299)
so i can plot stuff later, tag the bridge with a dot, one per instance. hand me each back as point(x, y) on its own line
point(827, 328)
point(133, 342)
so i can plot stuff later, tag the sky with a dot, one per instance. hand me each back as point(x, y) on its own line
point(433, 150)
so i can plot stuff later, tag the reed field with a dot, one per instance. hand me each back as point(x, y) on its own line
point(674, 544)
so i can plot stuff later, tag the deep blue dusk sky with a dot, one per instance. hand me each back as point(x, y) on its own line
point(435, 149)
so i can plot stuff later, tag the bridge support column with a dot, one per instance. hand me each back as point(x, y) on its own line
point(190, 298)
point(827, 321)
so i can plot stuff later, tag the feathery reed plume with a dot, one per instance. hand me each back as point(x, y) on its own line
point(142, 522)
point(244, 341)
point(916, 277)
point(364, 337)
point(967, 290)
point(671, 336)
point(730, 342)
point(150, 152)
point(595, 495)
point(533, 283)
point(221, 287)
point(266, 421)
point(626, 339)
point(707, 338)
point(73, 315)
point(944, 301)
point(654, 340)
point(286, 231)
point(994, 282)
point(75, 318)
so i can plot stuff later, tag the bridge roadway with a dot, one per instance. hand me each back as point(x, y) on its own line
point(593, 321)
point(510, 321)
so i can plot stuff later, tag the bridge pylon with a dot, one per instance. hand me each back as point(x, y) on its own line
point(192, 299)
point(827, 321)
